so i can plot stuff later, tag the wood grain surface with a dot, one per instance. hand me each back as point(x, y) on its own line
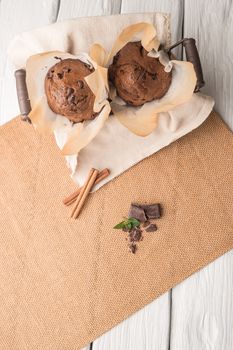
point(198, 313)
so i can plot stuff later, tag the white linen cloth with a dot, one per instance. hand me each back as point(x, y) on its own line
point(115, 147)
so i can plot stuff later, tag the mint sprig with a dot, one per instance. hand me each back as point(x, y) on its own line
point(128, 223)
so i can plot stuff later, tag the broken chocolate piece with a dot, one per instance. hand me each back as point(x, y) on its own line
point(146, 224)
point(135, 235)
point(152, 211)
point(137, 212)
point(151, 228)
point(138, 223)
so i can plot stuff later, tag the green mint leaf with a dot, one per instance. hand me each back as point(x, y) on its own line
point(134, 222)
point(120, 225)
point(128, 223)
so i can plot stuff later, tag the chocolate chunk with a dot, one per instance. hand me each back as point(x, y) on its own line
point(151, 228)
point(137, 212)
point(135, 234)
point(152, 211)
point(80, 84)
point(154, 76)
point(66, 70)
point(72, 99)
point(60, 75)
point(133, 248)
point(69, 91)
point(89, 66)
point(49, 75)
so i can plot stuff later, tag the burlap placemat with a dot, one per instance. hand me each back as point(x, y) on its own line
point(65, 282)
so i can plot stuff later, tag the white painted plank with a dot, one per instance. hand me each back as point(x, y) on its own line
point(202, 306)
point(149, 328)
point(140, 331)
point(82, 8)
point(211, 24)
point(17, 16)
point(174, 7)
point(202, 309)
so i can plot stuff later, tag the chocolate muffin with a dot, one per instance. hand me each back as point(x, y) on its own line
point(67, 92)
point(137, 77)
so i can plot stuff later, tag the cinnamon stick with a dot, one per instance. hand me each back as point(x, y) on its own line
point(81, 192)
point(72, 197)
point(84, 194)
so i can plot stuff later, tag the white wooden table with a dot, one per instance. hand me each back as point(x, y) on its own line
point(198, 313)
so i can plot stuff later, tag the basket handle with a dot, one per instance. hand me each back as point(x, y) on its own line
point(192, 56)
point(22, 93)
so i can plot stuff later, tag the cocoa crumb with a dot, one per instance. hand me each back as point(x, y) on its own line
point(132, 248)
point(146, 223)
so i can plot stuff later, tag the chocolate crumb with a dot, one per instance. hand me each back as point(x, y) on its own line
point(151, 228)
point(58, 58)
point(133, 248)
